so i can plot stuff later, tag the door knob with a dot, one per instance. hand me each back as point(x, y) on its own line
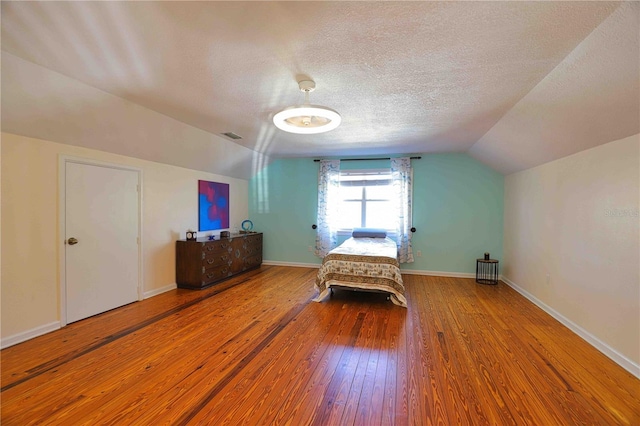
point(71, 241)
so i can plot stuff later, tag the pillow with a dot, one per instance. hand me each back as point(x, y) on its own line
point(369, 233)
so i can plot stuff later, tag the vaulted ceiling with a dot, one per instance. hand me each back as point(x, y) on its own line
point(514, 84)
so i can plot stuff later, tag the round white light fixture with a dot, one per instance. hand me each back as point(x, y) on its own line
point(307, 119)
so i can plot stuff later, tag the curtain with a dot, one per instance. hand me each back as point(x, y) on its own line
point(402, 184)
point(328, 203)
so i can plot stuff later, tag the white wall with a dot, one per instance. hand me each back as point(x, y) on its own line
point(577, 220)
point(29, 222)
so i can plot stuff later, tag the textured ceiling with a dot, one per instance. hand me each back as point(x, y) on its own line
point(407, 77)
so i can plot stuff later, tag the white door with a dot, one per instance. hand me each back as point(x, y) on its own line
point(101, 241)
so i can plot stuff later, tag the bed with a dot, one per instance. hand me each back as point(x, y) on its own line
point(363, 264)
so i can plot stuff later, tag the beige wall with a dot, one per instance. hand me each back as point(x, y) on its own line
point(576, 219)
point(29, 216)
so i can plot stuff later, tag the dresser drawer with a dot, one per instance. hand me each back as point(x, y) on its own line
point(213, 247)
point(215, 274)
point(252, 250)
point(253, 261)
point(254, 239)
point(217, 258)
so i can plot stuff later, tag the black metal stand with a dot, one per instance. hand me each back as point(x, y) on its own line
point(486, 271)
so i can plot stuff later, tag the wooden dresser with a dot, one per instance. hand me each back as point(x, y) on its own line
point(204, 262)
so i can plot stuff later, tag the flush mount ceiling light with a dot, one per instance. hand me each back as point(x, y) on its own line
point(307, 118)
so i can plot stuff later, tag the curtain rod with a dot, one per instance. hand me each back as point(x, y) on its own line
point(368, 159)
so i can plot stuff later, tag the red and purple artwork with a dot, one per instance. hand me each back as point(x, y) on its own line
point(213, 205)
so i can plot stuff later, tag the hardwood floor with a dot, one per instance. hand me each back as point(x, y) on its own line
point(256, 350)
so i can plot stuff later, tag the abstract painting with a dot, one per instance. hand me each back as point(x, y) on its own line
point(213, 205)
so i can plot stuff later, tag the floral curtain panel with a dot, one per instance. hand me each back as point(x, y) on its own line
point(328, 203)
point(402, 184)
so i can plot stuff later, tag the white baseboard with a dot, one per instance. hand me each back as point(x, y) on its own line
point(157, 291)
point(5, 342)
point(438, 273)
point(294, 264)
point(616, 356)
point(403, 271)
point(29, 334)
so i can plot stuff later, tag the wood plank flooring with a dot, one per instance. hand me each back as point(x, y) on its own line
point(256, 350)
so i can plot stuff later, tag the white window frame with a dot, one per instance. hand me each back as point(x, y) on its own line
point(363, 199)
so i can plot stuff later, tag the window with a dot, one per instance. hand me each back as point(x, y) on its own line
point(380, 198)
point(366, 200)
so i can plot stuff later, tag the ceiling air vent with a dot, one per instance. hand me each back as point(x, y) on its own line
point(232, 135)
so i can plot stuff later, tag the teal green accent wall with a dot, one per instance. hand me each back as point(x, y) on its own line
point(458, 206)
point(283, 203)
point(457, 210)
